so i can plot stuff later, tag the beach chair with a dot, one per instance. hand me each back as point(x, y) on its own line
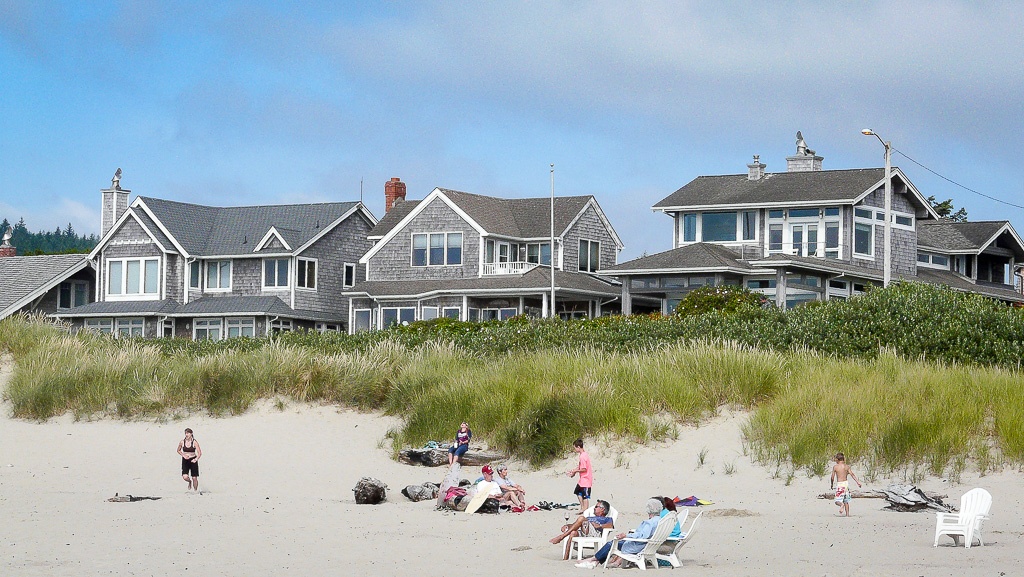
point(665, 526)
point(581, 543)
point(974, 507)
point(670, 550)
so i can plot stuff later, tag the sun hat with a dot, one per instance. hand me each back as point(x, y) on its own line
point(487, 470)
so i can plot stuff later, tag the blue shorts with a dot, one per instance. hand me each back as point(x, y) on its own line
point(458, 451)
point(582, 492)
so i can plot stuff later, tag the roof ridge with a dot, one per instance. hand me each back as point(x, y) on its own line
point(248, 205)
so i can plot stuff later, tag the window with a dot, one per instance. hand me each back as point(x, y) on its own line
point(350, 274)
point(832, 211)
point(392, 316)
point(689, 227)
point(863, 213)
point(538, 253)
point(102, 326)
point(863, 239)
point(776, 213)
point(428, 313)
point(72, 294)
point(451, 313)
point(804, 213)
point(133, 277)
point(590, 255)
point(218, 275)
point(933, 260)
point(328, 328)
point(306, 269)
point(207, 329)
point(194, 274)
point(748, 224)
point(718, 226)
point(437, 249)
point(761, 284)
point(474, 315)
point(133, 327)
point(774, 237)
point(831, 239)
point(923, 258)
point(281, 326)
point(940, 260)
point(904, 221)
point(361, 320)
point(502, 314)
point(241, 328)
point(275, 273)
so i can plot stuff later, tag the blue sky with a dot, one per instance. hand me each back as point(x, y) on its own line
point(232, 103)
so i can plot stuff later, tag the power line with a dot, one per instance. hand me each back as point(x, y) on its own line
point(904, 155)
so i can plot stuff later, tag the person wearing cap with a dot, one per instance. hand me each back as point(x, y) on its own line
point(643, 531)
point(515, 492)
point(493, 489)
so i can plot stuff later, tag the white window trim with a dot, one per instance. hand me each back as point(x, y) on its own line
point(263, 274)
point(124, 296)
point(399, 314)
point(423, 313)
point(344, 272)
point(316, 274)
point(130, 323)
point(199, 265)
point(282, 326)
point(71, 287)
point(412, 248)
point(456, 309)
point(208, 323)
point(95, 325)
point(579, 260)
point(328, 327)
point(240, 322)
point(369, 325)
point(930, 264)
point(853, 237)
point(205, 276)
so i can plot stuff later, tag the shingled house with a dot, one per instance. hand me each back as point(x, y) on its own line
point(812, 234)
point(168, 268)
point(43, 284)
point(474, 257)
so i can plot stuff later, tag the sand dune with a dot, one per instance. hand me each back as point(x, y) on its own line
point(278, 500)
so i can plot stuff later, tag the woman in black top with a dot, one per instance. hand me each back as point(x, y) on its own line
point(190, 452)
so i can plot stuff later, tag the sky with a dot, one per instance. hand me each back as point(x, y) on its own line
point(240, 103)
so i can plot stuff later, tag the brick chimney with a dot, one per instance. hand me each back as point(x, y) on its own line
point(394, 193)
point(115, 202)
point(6, 249)
point(756, 171)
point(805, 160)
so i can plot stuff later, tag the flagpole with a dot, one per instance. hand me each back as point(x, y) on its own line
point(552, 248)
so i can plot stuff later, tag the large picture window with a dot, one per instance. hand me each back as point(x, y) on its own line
point(207, 329)
point(590, 255)
point(391, 316)
point(243, 327)
point(218, 275)
point(275, 273)
point(437, 249)
point(133, 277)
point(718, 226)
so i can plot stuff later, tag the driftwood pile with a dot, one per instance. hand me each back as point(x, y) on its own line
point(901, 498)
point(437, 456)
point(370, 491)
point(421, 492)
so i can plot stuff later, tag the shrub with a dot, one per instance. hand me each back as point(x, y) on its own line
point(724, 299)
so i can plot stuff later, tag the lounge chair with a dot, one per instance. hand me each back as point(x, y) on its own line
point(664, 528)
point(581, 543)
point(974, 507)
point(670, 550)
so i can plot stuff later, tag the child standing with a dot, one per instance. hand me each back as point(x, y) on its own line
point(586, 473)
point(839, 474)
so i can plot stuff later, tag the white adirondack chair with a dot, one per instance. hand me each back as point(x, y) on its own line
point(670, 550)
point(661, 532)
point(974, 507)
point(595, 543)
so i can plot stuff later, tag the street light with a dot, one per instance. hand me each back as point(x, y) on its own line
point(887, 258)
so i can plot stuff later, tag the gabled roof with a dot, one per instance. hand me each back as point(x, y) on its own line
point(962, 283)
point(699, 256)
point(533, 282)
point(236, 230)
point(516, 218)
point(121, 308)
point(974, 237)
point(26, 278)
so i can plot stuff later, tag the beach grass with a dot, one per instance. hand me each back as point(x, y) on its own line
point(887, 413)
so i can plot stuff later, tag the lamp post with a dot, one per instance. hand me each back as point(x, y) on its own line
point(887, 258)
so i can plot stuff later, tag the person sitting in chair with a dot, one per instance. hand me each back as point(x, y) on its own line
point(591, 526)
point(643, 531)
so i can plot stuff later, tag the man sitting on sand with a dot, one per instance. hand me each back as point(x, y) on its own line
point(585, 526)
point(516, 494)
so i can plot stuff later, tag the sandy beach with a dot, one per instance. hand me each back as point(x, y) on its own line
point(277, 500)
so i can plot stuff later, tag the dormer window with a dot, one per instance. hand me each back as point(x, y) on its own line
point(275, 273)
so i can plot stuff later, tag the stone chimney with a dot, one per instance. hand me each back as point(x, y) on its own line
point(756, 171)
point(394, 193)
point(6, 249)
point(115, 202)
point(805, 160)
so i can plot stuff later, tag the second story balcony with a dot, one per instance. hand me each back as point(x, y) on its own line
point(502, 268)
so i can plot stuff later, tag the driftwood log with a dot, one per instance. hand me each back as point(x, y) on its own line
point(438, 457)
point(370, 491)
point(874, 494)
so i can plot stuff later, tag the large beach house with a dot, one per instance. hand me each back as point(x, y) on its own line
point(811, 234)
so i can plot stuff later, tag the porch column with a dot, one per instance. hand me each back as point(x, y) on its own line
point(780, 288)
point(627, 298)
point(544, 305)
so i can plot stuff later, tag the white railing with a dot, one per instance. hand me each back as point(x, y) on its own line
point(496, 268)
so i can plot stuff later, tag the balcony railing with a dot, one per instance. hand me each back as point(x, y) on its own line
point(499, 268)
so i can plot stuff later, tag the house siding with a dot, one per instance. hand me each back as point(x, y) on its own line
point(247, 277)
point(394, 260)
point(345, 243)
point(129, 240)
point(589, 227)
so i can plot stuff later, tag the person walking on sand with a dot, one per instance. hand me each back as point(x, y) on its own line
point(586, 473)
point(190, 452)
point(840, 472)
point(457, 450)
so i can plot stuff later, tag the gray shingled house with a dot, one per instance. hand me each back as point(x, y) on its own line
point(811, 234)
point(44, 284)
point(169, 268)
point(472, 257)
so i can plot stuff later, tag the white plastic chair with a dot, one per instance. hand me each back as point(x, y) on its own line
point(673, 545)
point(974, 507)
point(649, 552)
point(581, 543)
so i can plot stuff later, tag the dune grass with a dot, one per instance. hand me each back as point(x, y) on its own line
point(886, 413)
